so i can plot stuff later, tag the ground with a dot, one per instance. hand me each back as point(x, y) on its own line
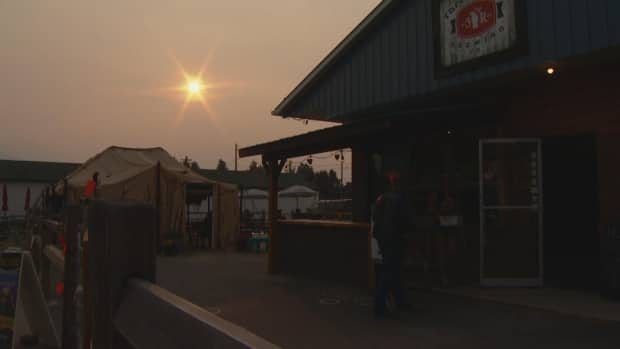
point(300, 313)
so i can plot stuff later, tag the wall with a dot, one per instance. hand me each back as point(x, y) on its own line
point(323, 251)
point(587, 101)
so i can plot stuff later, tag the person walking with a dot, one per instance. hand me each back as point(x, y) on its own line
point(392, 219)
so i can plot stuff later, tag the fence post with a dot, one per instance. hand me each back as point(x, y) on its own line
point(73, 217)
point(87, 311)
point(122, 244)
point(45, 263)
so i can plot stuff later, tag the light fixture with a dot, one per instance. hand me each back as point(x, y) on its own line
point(550, 71)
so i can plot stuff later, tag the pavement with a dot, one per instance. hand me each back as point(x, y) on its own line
point(582, 304)
point(303, 313)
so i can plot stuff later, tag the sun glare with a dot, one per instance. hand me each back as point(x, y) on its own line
point(194, 87)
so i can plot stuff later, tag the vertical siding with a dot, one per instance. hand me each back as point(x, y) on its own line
point(597, 9)
point(562, 26)
point(396, 59)
point(421, 45)
point(579, 21)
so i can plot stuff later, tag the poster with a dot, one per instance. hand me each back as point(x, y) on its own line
point(471, 29)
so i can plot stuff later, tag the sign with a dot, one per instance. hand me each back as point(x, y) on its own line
point(471, 29)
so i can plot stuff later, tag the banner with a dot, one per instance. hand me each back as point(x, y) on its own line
point(471, 29)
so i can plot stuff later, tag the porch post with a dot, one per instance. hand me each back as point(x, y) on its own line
point(273, 168)
point(360, 182)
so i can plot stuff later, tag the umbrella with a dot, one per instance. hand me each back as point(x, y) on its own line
point(5, 199)
point(27, 202)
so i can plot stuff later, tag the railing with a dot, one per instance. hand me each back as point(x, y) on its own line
point(122, 306)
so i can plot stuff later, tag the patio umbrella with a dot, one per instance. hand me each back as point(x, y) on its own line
point(5, 199)
point(27, 202)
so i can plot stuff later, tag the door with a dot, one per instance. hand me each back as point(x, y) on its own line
point(511, 206)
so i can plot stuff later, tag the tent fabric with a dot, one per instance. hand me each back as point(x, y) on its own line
point(298, 191)
point(131, 174)
point(255, 194)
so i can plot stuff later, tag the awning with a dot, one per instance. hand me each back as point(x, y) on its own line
point(320, 141)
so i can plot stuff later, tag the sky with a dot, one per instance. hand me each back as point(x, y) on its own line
point(78, 76)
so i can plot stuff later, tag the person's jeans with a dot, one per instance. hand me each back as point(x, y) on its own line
point(389, 279)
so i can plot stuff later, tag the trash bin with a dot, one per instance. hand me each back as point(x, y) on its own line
point(610, 261)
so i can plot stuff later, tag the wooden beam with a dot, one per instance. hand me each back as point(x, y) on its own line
point(273, 168)
point(71, 277)
point(158, 205)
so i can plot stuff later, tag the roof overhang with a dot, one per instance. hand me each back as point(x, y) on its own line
point(324, 140)
point(333, 56)
point(377, 130)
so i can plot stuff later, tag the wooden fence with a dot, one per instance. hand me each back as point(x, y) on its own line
point(116, 269)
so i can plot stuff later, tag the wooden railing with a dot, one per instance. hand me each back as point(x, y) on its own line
point(122, 306)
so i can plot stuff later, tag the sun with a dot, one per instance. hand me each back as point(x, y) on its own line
point(194, 87)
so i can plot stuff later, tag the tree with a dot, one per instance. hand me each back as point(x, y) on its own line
point(306, 172)
point(189, 163)
point(348, 190)
point(253, 165)
point(334, 182)
point(221, 165)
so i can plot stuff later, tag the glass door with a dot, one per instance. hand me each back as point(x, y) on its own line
point(511, 212)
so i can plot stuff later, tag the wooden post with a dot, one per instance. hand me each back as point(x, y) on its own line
point(73, 217)
point(274, 168)
point(66, 193)
point(87, 311)
point(158, 204)
point(122, 240)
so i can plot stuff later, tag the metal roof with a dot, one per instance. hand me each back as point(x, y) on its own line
point(349, 40)
point(34, 171)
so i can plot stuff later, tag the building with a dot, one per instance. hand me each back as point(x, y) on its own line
point(19, 176)
point(515, 102)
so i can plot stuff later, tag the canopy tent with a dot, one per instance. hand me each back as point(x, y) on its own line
point(152, 175)
point(297, 197)
point(254, 200)
point(254, 194)
point(298, 191)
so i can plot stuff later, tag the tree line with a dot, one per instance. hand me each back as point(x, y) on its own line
point(325, 181)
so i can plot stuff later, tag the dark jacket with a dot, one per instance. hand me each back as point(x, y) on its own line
point(393, 218)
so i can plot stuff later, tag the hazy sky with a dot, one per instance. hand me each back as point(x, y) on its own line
point(78, 76)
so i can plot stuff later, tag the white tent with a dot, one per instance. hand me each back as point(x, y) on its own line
point(297, 197)
point(152, 175)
